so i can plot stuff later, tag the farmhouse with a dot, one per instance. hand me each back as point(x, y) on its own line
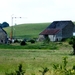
point(3, 36)
point(58, 30)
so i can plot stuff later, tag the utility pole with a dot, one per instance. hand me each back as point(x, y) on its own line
point(11, 33)
point(12, 27)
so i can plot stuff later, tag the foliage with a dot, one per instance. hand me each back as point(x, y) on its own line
point(62, 69)
point(44, 70)
point(4, 24)
point(72, 42)
point(18, 72)
point(16, 41)
point(23, 43)
point(58, 69)
point(32, 41)
point(47, 40)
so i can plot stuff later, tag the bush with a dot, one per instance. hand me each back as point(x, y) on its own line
point(32, 41)
point(16, 41)
point(23, 43)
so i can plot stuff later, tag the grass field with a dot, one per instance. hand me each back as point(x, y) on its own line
point(33, 60)
point(27, 30)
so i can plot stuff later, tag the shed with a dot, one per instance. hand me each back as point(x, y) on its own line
point(58, 30)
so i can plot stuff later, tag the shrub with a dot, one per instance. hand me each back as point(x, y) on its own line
point(32, 41)
point(23, 43)
point(44, 70)
point(72, 42)
point(16, 41)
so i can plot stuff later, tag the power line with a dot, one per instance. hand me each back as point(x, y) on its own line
point(12, 29)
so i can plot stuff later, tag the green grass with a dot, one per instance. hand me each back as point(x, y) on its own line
point(32, 60)
point(27, 30)
point(36, 45)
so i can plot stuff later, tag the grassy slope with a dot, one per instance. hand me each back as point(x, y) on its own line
point(27, 30)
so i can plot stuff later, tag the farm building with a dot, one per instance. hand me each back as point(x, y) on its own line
point(3, 36)
point(58, 30)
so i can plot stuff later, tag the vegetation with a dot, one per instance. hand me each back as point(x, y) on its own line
point(27, 31)
point(34, 59)
point(18, 72)
point(32, 40)
point(72, 42)
point(23, 43)
point(30, 45)
point(59, 69)
point(4, 25)
point(38, 58)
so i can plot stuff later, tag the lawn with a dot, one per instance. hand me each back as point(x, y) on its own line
point(33, 60)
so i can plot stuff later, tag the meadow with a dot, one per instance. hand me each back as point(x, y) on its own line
point(26, 30)
point(33, 57)
point(33, 60)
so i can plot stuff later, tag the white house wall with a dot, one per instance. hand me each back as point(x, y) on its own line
point(52, 37)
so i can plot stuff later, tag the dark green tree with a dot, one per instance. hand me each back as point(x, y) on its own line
point(4, 24)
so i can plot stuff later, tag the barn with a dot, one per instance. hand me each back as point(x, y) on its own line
point(58, 30)
point(3, 36)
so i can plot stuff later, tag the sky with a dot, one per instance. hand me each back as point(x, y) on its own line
point(36, 11)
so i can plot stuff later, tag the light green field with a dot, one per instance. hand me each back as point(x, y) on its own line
point(33, 60)
point(27, 30)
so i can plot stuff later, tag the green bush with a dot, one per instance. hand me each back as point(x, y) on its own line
point(23, 43)
point(32, 41)
point(16, 41)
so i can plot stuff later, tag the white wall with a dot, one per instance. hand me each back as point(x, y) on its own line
point(52, 37)
point(73, 33)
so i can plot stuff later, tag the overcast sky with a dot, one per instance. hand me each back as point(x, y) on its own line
point(35, 11)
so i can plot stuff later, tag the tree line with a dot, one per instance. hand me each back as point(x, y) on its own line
point(4, 24)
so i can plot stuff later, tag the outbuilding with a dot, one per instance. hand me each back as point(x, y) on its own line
point(58, 30)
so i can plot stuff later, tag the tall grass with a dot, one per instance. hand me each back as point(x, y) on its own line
point(32, 60)
point(59, 69)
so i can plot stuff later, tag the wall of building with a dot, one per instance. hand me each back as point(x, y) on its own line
point(68, 31)
point(41, 38)
point(52, 37)
point(3, 36)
